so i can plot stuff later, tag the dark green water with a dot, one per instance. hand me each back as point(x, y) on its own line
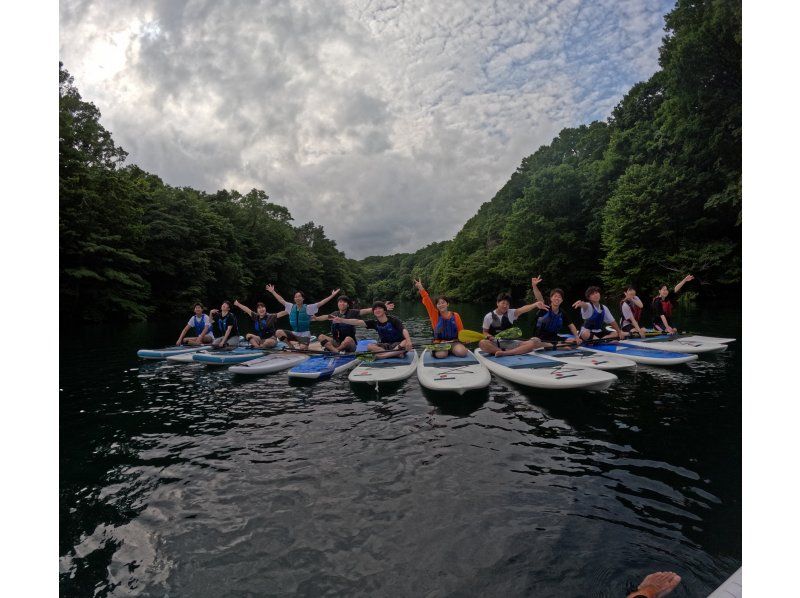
point(176, 480)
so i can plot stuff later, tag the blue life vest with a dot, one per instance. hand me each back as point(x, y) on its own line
point(299, 319)
point(388, 333)
point(446, 330)
point(221, 325)
point(595, 321)
point(265, 327)
point(340, 331)
point(498, 323)
point(550, 322)
point(199, 325)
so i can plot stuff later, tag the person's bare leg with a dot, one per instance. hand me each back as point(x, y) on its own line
point(254, 340)
point(381, 353)
point(488, 346)
point(441, 354)
point(268, 343)
point(523, 347)
point(348, 345)
point(458, 349)
point(657, 585)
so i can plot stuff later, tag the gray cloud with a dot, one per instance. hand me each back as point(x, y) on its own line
point(388, 123)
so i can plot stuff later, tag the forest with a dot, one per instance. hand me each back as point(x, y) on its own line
point(650, 194)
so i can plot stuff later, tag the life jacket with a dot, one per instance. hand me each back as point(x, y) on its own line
point(221, 325)
point(340, 331)
point(499, 324)
point(595, 321)
point(388, 333)
point(265, 327)
point(299, 319)
point(635, 310)
point(666, 307)
point(550, 322)
point(199, 325)
point(446, 329)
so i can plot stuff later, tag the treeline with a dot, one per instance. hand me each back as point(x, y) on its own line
point(131, 246)
point(644, 198)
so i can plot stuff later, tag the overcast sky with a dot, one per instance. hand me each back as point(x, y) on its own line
point(387, 122)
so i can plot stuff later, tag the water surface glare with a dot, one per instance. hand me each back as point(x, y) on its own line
point(179, 480)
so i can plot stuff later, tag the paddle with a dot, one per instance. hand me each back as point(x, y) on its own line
point(470, 336)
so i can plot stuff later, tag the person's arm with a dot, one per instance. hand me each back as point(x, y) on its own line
point(227, 334)
point(271, 289)
point(535, 286)
point(433, 313)
point(526, 308)
point(244, 308)
point(322, 318)
point(407, 344)
point(580, 304)
point(679, 286)
point(183, 333)
point(459, 324)
point(577, 338)
point(281, 313)
point(351, 321)
point(637, 302)
point(328, 298)
point(620, 332)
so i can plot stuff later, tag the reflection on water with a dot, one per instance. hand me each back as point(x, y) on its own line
point(186, 481)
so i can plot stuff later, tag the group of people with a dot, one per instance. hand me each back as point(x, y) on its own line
point(220, 327)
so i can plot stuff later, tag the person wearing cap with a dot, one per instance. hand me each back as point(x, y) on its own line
point(394, 340)
point(343, 336)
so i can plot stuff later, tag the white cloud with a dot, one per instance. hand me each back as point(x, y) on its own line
point(388, 123)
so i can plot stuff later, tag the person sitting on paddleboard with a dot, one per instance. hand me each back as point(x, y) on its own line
point(631, 307)
point(595, 316)
point(552, 319)
point(264, 324)
point(299, 317)
point(394, 338)
point(663, 305)
point(502, 318)
point(224, 326)
point(200, 324)
point(446, 324)
point(343, 336)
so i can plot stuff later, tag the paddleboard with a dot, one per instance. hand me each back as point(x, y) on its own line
point(274, 362)
point(536, 371)
point(695, 338)
point(239, 355)
point(322, 367)
point(643, 355)
point(730, 588)
point(385, 370)
point(589, 359)
point(456, 374)
point(678, 345)
point(157, 354)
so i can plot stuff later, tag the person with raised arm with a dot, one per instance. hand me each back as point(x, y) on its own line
point(394, 340)
point(551, 320)
point(503, 317)
point(299, 317)
point(264, 324)
point(631, 307)
point(663, 305)
point(595, 316)
point(343, 336)
point(446, 324)
point(201, 325)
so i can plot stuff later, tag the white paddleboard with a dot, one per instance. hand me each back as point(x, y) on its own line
point(589, 359)
point(678, 345)
point(536, 371)
point(455, 374)
point(385, 370)
point(695, 338)
point(158, 354)
point(643, 355)
point(275, 362)
point(730, 588)
point(185, 357)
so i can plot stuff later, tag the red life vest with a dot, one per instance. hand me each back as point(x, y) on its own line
point(635, 309)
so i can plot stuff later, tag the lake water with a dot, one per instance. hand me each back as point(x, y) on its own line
point(177, 480)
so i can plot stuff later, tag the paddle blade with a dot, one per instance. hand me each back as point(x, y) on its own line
point(438, 347)
point(510, 333)
point(470, 336)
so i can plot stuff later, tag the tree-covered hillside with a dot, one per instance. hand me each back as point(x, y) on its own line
point(650, 194)
point(131, 246)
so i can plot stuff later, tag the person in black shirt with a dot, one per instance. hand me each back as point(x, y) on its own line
point(664, 304)
point(394, 338)
point(224, 326)
point(265, 325)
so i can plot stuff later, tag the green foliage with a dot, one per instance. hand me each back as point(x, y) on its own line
point(650, 195)
point(132, 246)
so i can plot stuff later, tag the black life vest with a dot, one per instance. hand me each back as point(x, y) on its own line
point(499, 323)
point(341, 331)
point(221, 325)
